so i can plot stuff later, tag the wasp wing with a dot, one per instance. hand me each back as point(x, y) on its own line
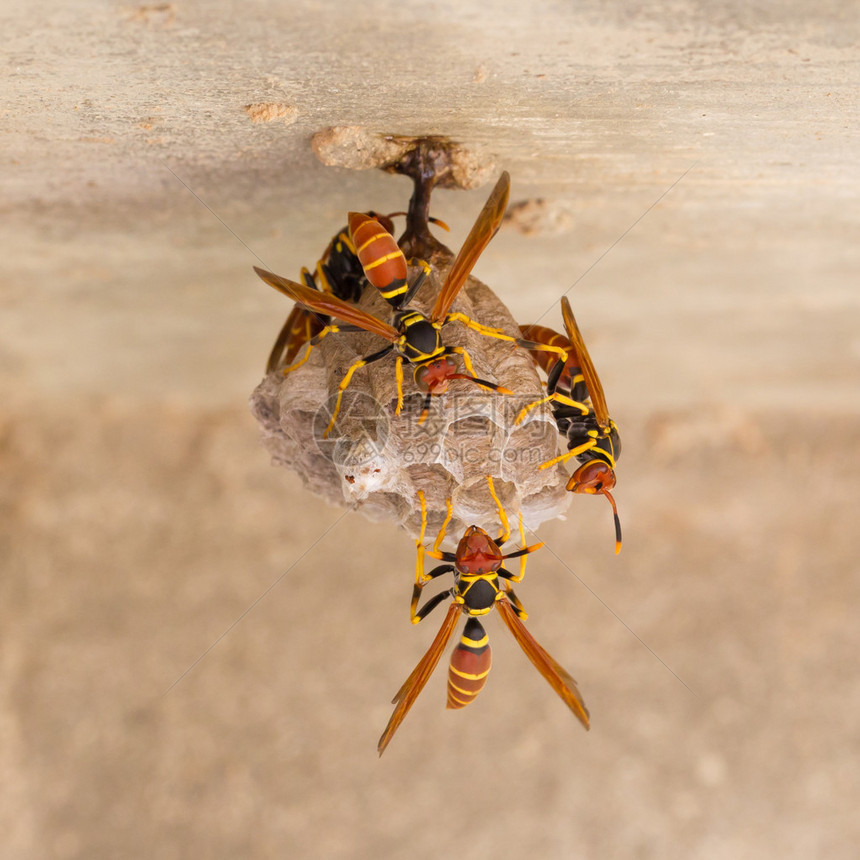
point(484, 229)
point(589, 374)
point(414, 684)
point(329, 305)
point(559, 679)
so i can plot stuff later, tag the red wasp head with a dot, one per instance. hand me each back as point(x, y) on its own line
point(596, 478)
point(434, 376)
point(477, 552)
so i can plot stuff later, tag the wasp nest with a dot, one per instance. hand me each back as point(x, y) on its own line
point(376, 461)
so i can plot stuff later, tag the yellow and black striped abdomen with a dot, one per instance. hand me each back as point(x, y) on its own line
point(470, 664)
point(383, 262)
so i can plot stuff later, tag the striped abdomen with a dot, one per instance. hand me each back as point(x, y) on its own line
point(470, 665)
point(570, 380)
point(548, 337)
point(383, 262)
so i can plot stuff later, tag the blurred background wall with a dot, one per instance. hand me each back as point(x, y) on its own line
point(198, 655)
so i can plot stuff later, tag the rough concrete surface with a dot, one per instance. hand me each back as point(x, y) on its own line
point(143, 527)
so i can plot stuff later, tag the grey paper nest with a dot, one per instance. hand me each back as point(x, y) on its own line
point(376, 462)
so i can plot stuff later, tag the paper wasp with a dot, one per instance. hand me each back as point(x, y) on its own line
point(481, 584)
point(338, 273)
point(592, 436)
point(415, 338)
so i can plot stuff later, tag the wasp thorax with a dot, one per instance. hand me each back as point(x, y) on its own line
point(595, 476)
point(477, 552)
point(435, 376)
point(422, 337)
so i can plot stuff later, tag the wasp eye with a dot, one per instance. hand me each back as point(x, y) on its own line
point(421, 378)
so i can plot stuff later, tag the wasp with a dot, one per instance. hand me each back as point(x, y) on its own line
point(339, 273)
point(481, 584)
point(415, 338)
point(592, 436)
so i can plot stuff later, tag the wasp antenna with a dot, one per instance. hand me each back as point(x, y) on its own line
point(617, 521)
point(440, 223)
point(499, 389)
point(524, 551)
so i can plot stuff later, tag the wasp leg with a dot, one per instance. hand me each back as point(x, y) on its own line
point(421, 578)
point(470, 371)
point(435, 553)
point(346, 380)
point(554, 375)
point(416, 615)
point(540, 347)
point(314, 341)
point(573, 452)
point(500, 335)
point(524, 556)
point(526, 409)
point(556, 398)
point(398, 374)
point(413, 287)
point(476, 326)
point(521, 554)
point(467, 359)
point(419, 543)
point(514, 601)
point(505, 533)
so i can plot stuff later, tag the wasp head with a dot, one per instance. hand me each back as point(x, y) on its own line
point(435, 376)
point(477, 552)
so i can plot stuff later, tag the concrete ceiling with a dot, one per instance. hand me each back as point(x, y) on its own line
point(138, 189)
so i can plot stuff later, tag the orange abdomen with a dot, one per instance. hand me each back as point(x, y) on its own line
point(548, 337)
point(470, 664)
point(383, 262)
